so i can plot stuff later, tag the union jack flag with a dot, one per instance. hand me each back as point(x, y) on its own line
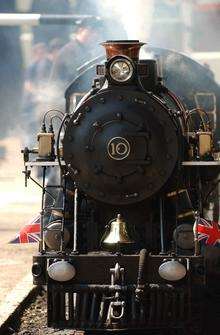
point(208, 232)
point(30, 233)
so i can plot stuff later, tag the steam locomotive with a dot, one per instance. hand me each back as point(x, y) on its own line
point(120, 251)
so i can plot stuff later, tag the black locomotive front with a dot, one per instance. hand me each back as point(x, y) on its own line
point(120, 252)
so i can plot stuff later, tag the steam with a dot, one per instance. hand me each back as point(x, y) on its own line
point(136, 16)
point(123, 19)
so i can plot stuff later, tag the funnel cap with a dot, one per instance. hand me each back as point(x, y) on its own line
point(129, 48)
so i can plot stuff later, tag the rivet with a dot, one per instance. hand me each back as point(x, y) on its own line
point(89, 148)
point(70, 138)
point(119, 116)
point(87, 109)
point(168, 156)
point(132, 195)
point(120, 97)
point(102, 100)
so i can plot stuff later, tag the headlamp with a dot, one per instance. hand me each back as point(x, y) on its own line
point(172, 270)
point(183, 236)
point(121, 70)
point(61, 271)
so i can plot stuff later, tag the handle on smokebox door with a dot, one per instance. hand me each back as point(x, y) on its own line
point(140, 280)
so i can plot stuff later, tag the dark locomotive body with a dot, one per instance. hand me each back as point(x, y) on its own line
point(130, 159)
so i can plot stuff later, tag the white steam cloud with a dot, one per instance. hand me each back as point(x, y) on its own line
point(135, 15)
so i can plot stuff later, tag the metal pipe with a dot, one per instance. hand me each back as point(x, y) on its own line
point(101, 288)
point(174, 306)
point(77, 305)
point(182, 305)
point(142, 314)
point(75, 220)
point(19, 19)
point(62, 306)
point(140, 280)
point(70, 303)
point(152, 305)
point(101, 311)
point(93, 308)
point(133, 308)
point(159, 305)
point(195, 233)
point(42, 211)
point(83, 317)
point(166, 302)
point(55, 305)
point(62, 241)
point(161, 227)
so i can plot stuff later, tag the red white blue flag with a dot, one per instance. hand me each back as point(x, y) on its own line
point(208, 232)
point(30, 233)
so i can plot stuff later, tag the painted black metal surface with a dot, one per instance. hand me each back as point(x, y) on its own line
point(121, 146)
point(181, 74)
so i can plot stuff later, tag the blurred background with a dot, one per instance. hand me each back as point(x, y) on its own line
point(32, 56)
point(191, 27)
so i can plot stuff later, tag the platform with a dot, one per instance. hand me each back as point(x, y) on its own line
point(17, 206)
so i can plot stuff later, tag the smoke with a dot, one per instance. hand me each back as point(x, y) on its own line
point(154, 22)
point(136, 16)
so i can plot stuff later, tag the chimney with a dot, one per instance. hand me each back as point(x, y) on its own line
point(129, 48)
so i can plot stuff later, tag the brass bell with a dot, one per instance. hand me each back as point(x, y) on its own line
point(117, 235)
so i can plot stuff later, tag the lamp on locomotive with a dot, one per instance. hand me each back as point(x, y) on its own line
point(123, 66)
